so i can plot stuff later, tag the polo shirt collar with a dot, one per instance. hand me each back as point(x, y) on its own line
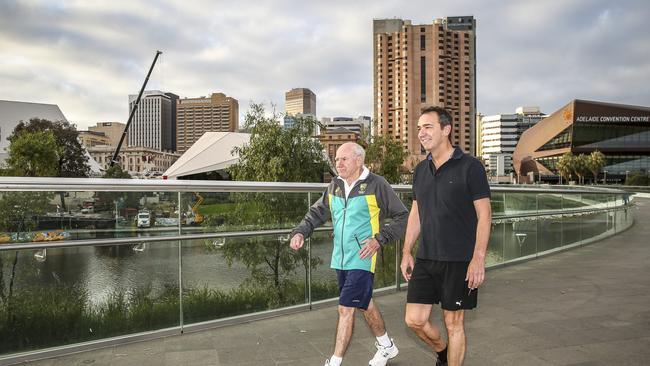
point(364, 174)
point(456, 154)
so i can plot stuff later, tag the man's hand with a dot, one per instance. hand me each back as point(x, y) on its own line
point(407, 265)
point(370, 247)
point(475, 273)
point(297, 241)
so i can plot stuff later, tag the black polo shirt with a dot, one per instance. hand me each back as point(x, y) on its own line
point(445, 198)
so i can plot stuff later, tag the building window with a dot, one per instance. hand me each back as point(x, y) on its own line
point(422, 42)
point(423, 78)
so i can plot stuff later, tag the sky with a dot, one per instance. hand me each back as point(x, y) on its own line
point(87, 56)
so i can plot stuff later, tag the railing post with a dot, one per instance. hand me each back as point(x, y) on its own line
point(308, 257)
point(398, 278)
point(180, 265)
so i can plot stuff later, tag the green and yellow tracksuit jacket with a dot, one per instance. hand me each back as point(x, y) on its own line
point(359, 217)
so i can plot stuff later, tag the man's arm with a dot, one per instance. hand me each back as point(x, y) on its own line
point(476, 270)
point(318, 213)
point(412, 234)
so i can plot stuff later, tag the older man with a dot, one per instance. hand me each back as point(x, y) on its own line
point(357, 201)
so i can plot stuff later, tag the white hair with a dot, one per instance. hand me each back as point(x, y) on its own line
point(359, 151)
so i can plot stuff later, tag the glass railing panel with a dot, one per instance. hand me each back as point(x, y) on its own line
point(60, 296)
point(494, 253)
point(498, 202)
point(323, 278)
point(225, 277)
point(623, 219)
point(385, 266)
point(520, 239)
point(549, 232)
point(572, 201)
point(241, 211)
point(549, 202)
point(571, 229)
point(58, 216)
point(520, 203)
point(596, 201)
point(595, 224)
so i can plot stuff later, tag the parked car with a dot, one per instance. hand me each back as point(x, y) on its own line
point(144, 219)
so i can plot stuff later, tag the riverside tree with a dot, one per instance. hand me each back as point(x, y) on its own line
point(385, 156)
point(273, 154)
point(71, 158)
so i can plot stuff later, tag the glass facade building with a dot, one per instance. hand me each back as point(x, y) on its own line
point(620, 132)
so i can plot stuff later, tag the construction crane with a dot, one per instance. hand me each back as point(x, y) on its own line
point(135, 107)
point(198, 218)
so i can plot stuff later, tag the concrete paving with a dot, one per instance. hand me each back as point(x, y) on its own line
point(585, 307)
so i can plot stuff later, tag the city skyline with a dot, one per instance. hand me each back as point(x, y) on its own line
point(87, 58)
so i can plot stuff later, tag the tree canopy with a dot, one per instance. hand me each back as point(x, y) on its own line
point(33, 154)
point(278, 154)
point(71, 158)
point(385, 156)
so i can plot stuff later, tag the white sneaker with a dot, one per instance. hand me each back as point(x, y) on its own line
point(327, 362)
point(384, 354)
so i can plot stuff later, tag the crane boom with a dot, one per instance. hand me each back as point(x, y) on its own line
point(135, 107)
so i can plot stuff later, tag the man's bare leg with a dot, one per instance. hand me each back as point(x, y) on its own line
point(454, 322)
point(344, 330)
point(374, 319)
point(417, 318)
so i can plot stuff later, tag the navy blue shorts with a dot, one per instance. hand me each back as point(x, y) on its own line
point(355, 288)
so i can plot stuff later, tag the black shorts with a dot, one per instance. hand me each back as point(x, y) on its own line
point(437, 282)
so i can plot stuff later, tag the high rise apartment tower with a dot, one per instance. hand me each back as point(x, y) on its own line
point(416, 66)
point(300, 101)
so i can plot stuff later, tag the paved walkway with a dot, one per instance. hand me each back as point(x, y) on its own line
point(585, 307)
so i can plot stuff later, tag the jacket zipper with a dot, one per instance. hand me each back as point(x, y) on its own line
point(345, 211)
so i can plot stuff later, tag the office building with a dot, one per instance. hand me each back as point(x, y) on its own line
point(112, 131)
point(91, 138)
point(136, 160)
point(300, 101)
point(422, 65)
point(332, 139)
point(196, 116)
point(360, 124)
point(500, 134)
point(154, 123)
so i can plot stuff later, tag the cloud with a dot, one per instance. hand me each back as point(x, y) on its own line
point(88, 56)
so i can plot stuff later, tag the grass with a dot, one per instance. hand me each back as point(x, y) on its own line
point(58, 315)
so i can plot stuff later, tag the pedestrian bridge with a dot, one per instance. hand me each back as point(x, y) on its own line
point(224, 290)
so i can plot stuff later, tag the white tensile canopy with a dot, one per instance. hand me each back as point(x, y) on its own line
point(213, 151)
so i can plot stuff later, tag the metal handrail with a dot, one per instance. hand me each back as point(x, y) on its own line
point(153, 185)
point(239, 234)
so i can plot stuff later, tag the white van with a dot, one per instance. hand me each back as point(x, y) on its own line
point(144, 219)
